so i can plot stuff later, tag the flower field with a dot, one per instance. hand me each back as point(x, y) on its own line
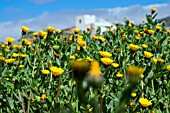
point(126, 69)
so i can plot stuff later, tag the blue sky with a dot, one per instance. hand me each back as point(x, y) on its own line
point(37, 14)
point(24, 9)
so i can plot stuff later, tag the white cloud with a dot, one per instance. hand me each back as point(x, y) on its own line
point(66, 18)
point(41, 1)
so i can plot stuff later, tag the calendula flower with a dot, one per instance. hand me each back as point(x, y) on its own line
point(45, 72)
point(88, 28)
point(155, 60)
point(156, 43)
point(43, 96)
point(145, 46)
point(15, 55)
point(0, 54)
point(89, 59)
point(115, 65)
point(72, 57)
point(22, 55)
point(15, 46)
point(168, 67)
point(10, 40)
point(76, 30)
point(134, 47)
point(2, 58)
point(10, 61)
point(158, 28)
point(133, 94)
point(106, 61)
point(58, 31)
point(26, 42)
point(150, 32)
point(105, 54)
point(168, 31)
point(137, 37)
point(56, 71)
point(21, 66)
point(96, 37)
point(25, 29)
point(132, 104)
point(119, 75)
point(81, 43)
point(153, 10)
point(35, 34)
point(50, 29)
point(135, 71)
point(71, 38)
point(43, 34)
point(136, 31)
point(101, 38)
point(145, 102)
point(95, 69)
point(78, 48)
point(160, 60)
point(148, 54)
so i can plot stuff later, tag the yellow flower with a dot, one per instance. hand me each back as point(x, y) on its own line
point(151, 32)
point(26, 42)
point(72, 57)
point(22, 55)
point(2, 58)
point(154, 10)
point(160, 60)
point(132, 104)
point(168, 31)
point(136, 31)
point(0, 54)
point(158, 27)
point(155, 60)
point(21, 66)
point(95, 69)
point(45, 72)
point(115, 65)
point(71, 38)
point(10, 61)
point(148, 54)
point(133, 94)
point(105, 54)
point(15, 46)
point(119, 75)
point(76, 30)
point(15, 55)
point(168, 67)
point(134, 47)
point(89, 59)
point(156, 43)
point(50, 28)
point(96, 37)
point(56, 71)
point(101, 38)
point(78, 48)
point(10, 40)
point(7, 50)
point(88, 28)
point(81, 43)
point(145, 102)
point(35, 34)
point(25, 29)
point(106, 61)
point(137, 37)
point(43, 34)
point(43, 96)
point(135, 71)
point(58, 31)
point(144, 46)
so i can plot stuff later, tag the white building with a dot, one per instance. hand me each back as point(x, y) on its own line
point(84, 21)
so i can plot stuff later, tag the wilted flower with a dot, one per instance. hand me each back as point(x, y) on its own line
point(148, 54)
point(145, 102)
